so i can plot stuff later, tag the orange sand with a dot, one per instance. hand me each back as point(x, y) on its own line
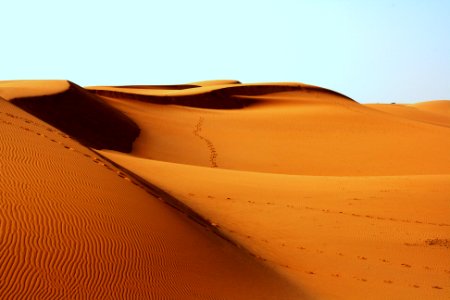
point(342, 200)
point(73, 226)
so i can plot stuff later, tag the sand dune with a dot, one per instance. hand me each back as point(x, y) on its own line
point(74, 226)
point(436, 106)
point(338, 237)
point(290, 133)
point(291, 191)
point(432, 112)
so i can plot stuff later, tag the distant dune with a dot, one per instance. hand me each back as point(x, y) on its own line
point(215, 95)
point(432, 112)
point(221, 190)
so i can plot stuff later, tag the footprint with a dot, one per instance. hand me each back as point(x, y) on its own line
point(406, 265)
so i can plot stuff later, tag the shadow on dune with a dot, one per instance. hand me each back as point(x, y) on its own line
point(220, 98)
point(84, 116)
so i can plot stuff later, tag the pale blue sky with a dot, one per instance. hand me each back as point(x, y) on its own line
point(372, 51)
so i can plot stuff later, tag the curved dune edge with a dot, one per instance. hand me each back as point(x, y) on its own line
point(226, 96)
point(216, 82)
point(31, 88)
point(84, 116)
point(84, 229)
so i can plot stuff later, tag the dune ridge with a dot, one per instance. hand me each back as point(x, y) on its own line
point(225, 96)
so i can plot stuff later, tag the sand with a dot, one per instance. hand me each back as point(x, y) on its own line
point(73, 226)
point(301, 192)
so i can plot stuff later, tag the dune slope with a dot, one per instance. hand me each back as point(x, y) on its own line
point(84, 116)
point(379, 237)
point(74, 226)
point(346, 200)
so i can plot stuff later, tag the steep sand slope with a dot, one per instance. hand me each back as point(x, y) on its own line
point(73, 226)
point(80, 114)
point(338, 237)
point(432, 112)
point(297, 132)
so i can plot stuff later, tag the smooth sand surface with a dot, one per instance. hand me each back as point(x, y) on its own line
point(342, 200)
point(73, 226)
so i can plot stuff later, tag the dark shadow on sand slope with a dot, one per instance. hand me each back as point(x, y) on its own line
point(222, 98)
point(84, 116)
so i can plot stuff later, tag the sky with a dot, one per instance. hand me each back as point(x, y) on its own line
point(371, 51)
